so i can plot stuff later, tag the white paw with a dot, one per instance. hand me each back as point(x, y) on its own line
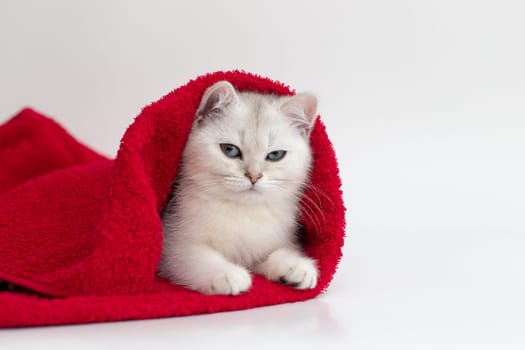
point(302, 274)
point(289, 267)
point(232, 280)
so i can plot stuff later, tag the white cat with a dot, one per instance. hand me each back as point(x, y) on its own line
point(236, 199)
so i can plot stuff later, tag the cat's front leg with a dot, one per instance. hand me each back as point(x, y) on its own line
point(290, 266)
point(202, 268)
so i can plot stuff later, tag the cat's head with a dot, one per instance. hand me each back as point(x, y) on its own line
point(248, 146)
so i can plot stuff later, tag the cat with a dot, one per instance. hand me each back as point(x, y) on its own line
point(237, 196)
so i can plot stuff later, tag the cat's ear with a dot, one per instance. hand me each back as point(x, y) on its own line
point(302, 109)
point(216, 99)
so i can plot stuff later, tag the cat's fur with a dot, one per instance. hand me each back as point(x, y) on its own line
point(230, 216)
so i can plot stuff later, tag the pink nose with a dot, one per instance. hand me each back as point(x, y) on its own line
point(253, 177)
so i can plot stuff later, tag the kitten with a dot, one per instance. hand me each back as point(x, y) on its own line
point(237, 195)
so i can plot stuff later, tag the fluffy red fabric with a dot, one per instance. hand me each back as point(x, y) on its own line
point(82, 232)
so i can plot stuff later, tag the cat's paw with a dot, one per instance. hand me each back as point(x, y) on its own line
point(288, 267)
point(232, 280)
point(302, 274)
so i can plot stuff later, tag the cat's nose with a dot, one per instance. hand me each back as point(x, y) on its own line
point(253, 177)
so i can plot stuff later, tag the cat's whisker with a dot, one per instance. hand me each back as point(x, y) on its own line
point(312, 188)
point(207, 185)
point(313, 210)
point(308, 213)
point(315, 205)
point(309, 208)
point(318, 192)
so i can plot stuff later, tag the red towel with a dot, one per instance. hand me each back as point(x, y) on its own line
point(81, 233)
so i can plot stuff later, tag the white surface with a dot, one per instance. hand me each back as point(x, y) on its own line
point(424, 101)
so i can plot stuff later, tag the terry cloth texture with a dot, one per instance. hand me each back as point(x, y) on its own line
point(81, 233)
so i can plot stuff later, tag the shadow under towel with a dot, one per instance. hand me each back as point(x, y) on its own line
point(80, 234)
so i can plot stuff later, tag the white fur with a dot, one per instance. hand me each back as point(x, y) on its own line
point(220, 226)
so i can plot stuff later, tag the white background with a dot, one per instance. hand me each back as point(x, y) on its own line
point(424, 101)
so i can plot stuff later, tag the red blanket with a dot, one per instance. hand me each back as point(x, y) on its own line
point(81, 233)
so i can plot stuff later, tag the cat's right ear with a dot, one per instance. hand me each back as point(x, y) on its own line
point(216, 99)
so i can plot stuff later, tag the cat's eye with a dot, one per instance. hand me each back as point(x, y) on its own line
point(231, 151)
point(275, 155)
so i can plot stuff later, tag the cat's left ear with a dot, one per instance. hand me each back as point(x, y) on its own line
point(302, 109)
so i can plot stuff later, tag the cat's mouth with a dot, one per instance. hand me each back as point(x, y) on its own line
point(252, 190)
point(239, 185)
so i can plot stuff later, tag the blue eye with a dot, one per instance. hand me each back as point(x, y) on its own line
point(231, 151)
point(275, 155)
